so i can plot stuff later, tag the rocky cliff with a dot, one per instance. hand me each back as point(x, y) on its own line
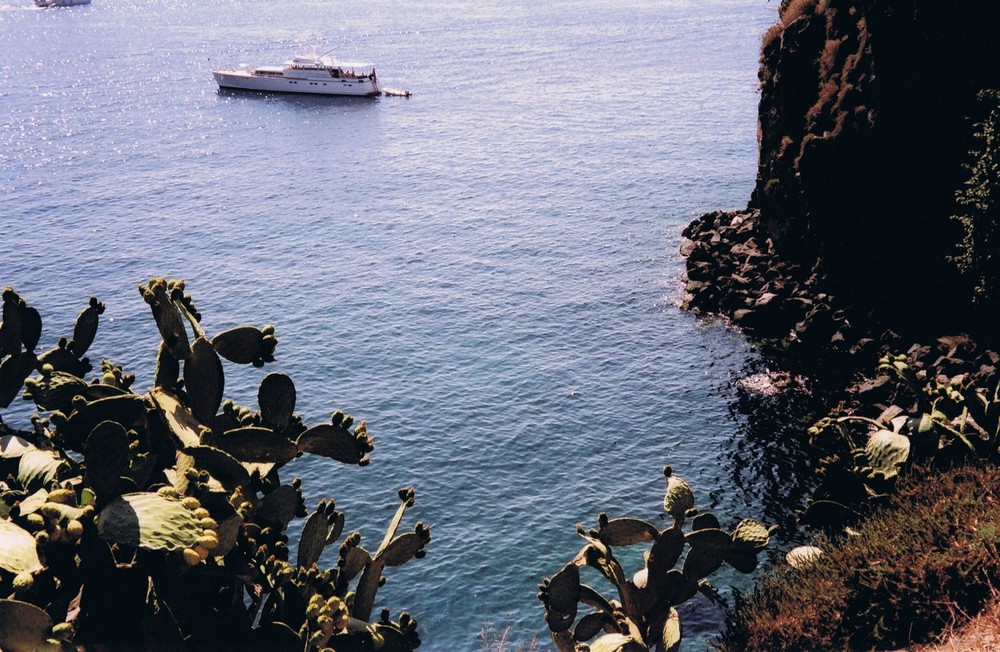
point(868, 115)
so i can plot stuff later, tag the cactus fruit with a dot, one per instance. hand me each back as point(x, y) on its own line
point(168, 318)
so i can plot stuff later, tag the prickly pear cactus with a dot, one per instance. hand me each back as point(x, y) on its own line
point(152, 506)
point(644, 616)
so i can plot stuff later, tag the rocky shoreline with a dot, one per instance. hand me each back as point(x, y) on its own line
point(733, 272)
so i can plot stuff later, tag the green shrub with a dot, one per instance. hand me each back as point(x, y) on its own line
point(979, 207)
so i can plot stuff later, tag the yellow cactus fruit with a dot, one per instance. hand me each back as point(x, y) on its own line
point(24, 581)
point(62, 496)
point(208, 542)
point(74, 530)
point(191, 557)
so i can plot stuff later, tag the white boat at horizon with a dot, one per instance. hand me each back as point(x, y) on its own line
point(313, 74)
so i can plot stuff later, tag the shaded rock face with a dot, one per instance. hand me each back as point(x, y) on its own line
point(865, 125)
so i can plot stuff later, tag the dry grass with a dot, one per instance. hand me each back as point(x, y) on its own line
point(494, 640)
point(795, 9)
point(978, 634)
point(911, 574)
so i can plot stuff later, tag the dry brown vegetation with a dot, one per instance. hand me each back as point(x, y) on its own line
point(914, 572)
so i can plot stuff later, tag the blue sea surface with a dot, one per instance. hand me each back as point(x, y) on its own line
point(487, 272)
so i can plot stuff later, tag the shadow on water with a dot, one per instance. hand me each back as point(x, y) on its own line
point(770, 463)
point(302, 101)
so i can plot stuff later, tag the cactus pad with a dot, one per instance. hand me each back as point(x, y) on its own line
point(561, 595)
point(18, 552)
point(204, 380)
point(337, 442)
point(182, 425)
point(670, 638)
point(626, 532)
point(678, 498)
point(128, 410)
point(40, 469)
point(253, 444)
point(168, 318)
point(244, 345)
point(750, 535)
point(106, 456)
point(276, 398)
point(85, 327)
point(149, 521)
point(590, 625)
point(12, 446)
point(404, 547)
point(13, 372)
point(322, 528)
point(617, 643)
point(24, 627)
point(886, 450)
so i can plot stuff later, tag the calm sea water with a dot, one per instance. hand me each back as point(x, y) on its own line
point(486, 272)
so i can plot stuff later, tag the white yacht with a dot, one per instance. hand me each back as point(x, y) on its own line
point(60, 3)
point(305, 73)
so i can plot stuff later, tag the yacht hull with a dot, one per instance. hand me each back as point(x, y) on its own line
point(246, 80)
